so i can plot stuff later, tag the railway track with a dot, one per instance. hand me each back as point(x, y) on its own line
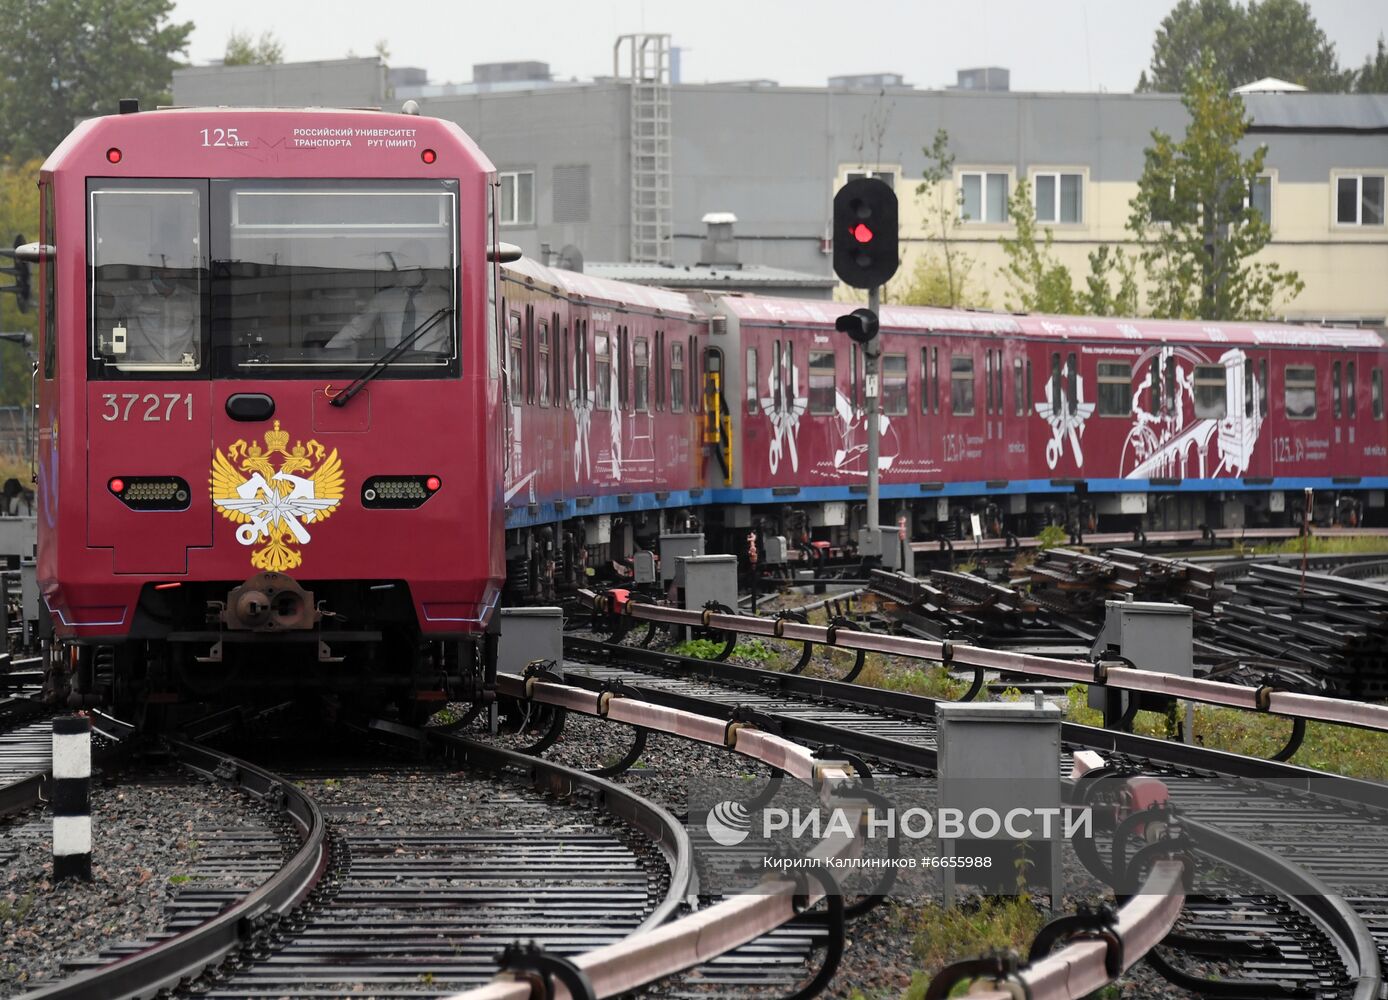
point(1322, 917)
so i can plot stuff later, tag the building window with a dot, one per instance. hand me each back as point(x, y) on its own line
point(1299, 391)
point(1059, 197)
point(894, 392)
point(1211, 401)
point(603, 365)
point(823, 379)
point(1115, 388)
point(517, 198)
point(887, 177)
point(642, 367)
point(676, 378)
point(1359, 200)
point(961, 385)
point(984, 197)
point(751, 380)
point(1260, 197)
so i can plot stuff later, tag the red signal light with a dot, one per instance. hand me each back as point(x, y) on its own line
point(113, 155)
point(116, 485)
point(433, 483)
point(861, 233)
point(428, 156)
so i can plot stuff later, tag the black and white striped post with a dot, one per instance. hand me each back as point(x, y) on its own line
point(71, 797)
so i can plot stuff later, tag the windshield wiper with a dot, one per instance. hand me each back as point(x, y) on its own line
point(389, 358)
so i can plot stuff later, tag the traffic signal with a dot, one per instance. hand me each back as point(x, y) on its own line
point(860, 324)
point(23, 290)
point(865, 232)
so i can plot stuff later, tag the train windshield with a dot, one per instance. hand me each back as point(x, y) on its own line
point(279, 278)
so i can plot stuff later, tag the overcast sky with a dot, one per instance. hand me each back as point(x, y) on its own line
point(1047, 44)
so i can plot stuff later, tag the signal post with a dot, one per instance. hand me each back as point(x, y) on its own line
point(865, 256)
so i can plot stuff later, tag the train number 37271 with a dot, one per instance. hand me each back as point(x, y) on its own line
point(152, 406)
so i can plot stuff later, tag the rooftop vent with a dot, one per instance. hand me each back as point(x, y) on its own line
point(720, 246)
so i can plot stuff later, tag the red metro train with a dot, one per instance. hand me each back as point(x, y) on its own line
point(265, 395)
point(288, 402)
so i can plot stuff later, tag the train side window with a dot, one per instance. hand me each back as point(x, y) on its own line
point(1154, 387)
point(776, 376)
point(788, 376)
point(47, 274)
point(925, 380)
point(1018, 387)
point(1211, 394)
point(620, 354)
point(677, 377)
point(1376, 392)
point(824, 380)
point(853, 376)
point(1248, 387)
point(1115, 389)
point(561, 349)
point(895, 392)
point(1171, 384)
point(1350, 404)
point(602, 363)
point(642, 371)
point(1028, 384)
point(1072, 388)
point(696, 394)
point(1335, 390)
point(998, 377)
point(515, 358)
point(1056, 404)
point(1299, 391)
point(988, 381)
point(542, 366)
point(961, 385)
point(751, 378)
point(934, 380)
point(658, 363)
point(530, 373)
point(1266, 389)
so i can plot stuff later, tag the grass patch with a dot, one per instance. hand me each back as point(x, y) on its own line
point(17, 910)
point(1051, 536)
point(1318, 546)
point(707, 649)
point(1356, 753)
point(929, 680)
point(180, 879)
point(940, 935)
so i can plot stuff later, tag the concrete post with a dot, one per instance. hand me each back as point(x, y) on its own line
point(72, 797)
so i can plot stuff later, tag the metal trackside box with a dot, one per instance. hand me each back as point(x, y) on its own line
point(672, 547)
point(709, 578)
point(529, 634)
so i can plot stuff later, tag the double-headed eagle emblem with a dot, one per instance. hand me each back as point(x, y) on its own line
point(273, 505)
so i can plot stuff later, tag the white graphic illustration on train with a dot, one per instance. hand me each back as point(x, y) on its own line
point(581, 406)
point(851, 423)
point(1192, 417)
point(784, 404)
point(1063, 406)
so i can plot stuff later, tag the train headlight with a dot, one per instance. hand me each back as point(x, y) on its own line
point(151, 492)
point(398, 492)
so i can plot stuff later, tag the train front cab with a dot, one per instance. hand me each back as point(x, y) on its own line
point(250, 398)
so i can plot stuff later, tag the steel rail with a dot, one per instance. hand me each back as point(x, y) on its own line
point(664, 831)
point(31, 789)
point(702, 936)
point(184, 956)
point(1263, 699)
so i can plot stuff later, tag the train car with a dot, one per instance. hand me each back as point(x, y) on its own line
point(269, 410)
point(1024, 421)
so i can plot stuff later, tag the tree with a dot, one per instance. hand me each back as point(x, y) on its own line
point(19, 216)
point(243, 50)
point(1373, 77)
point(1193, 218)
point(941, 275)
point(1038, 281)
point(63, 60)
point(1099, 297)
point(1278, 38)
